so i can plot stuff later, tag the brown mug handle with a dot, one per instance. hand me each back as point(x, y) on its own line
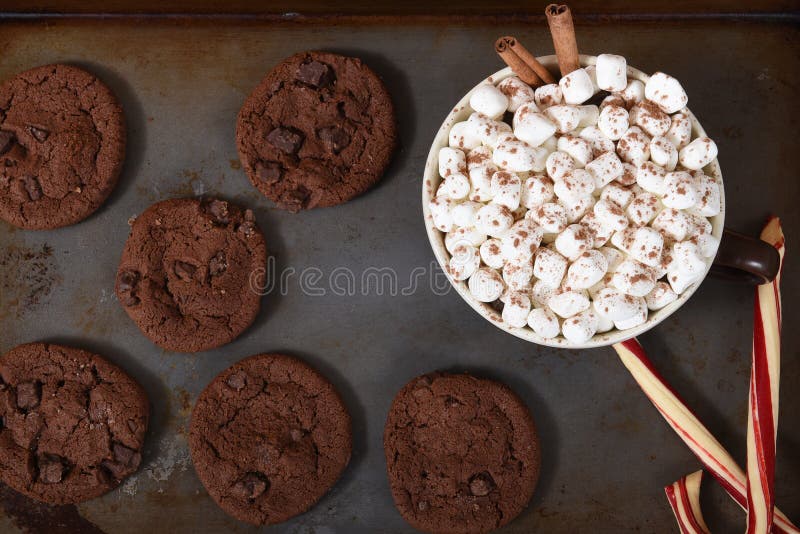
point(745, 259)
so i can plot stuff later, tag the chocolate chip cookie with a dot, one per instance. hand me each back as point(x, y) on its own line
point(192, 272)
point(461, 452)
point(269, 437)
point(73, 424)
point(318, 131)
point(62, 145)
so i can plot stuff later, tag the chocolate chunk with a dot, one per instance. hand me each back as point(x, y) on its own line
point(126, 284)
point(125, 455)
point(28, 395)
point(237, 380)
point(250, 486)
point(269, 172)
point(51, 468)
point(218, 264)
point(295, 199)
point(285, 140)
point(116, 469)
point(218, 211)
point(481, 484)
point(132, 426)
point(315, 74)
point(32, 187)
point(451, 402)
point(334, 138)
point(7, 140)
point(40, 134)
point(184, 271)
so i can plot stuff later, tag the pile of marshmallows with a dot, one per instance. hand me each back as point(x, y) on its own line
point(578, 218)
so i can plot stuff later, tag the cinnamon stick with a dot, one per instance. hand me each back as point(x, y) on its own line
point(559, 18)
point(503, 47)
point(529, 60)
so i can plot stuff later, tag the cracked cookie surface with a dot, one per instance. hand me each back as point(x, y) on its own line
point(269, 436)
point(462, 453)
point(318, 131)
point(73, 424)
point(62, 146)
point(191, 273)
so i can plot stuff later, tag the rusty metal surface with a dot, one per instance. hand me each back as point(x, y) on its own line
point(606, 453)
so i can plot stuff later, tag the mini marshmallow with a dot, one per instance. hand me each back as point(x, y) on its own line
point(486, 285)
point(486, 129)
point(541, 293)
point(663, 153)
point(488, 100)
point(679, 190)
point(494, 219)
point(440, 213)
point(633, 278)
point(551, 217)
point(588, 115)
point(587, 270)
point(580, 327)
point(573, 241)
point(506, 189)
point(639, 318)
point(610, 215)
point(680, 131)
point(600, 233)
point(517, 274)
point(598, 142)
point(612, 72)
point(634, 146)
point(698, 153)
point(517, 156)
point(661, 295)
point(522, 240)
point(646, 246)
point(550, 144)
point(566, 118)
point(536, 191)
point(464, 214)
point(650, 177)
point(548, 95)
point(628, 177)
point(516, 309)
point(604, 324)
point(650, 118)
point(700, 232)
point(613, 122)
point(618, 194)
point(481, 169)
point(688, 258)
point(464, 262)
point(549, 267)
point(577, 87)
point(672, 223)
point(559, 163)
point(452, 161)
point(612, 303)
point(531, 126)
point(633, 93)
point(517, 92)
point(709, 199)
point(643, 208)
point(613, 257)
point(666, 92)
point(463, 136)
point(667, 263)
point(463, 236)
point(605, 169)
point(602, 284)
point(565, 304)
point(680, 281)
point(612, 100)
point(455, 186)
point(479, 157)
point(544, 323)
point(591, 70)
point(576, 209)
point(578, 148)
point(574, 185)
point(492, 253)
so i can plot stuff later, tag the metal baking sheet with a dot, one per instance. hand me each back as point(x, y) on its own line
point(606, 453)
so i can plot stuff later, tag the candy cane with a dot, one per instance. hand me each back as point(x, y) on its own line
point(684, 498)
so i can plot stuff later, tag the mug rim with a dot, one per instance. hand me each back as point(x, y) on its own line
point(431, 181)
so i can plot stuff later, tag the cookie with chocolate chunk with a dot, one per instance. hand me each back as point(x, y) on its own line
point(462, 453)
point(318, 131)
point(73, 424)
point(62, 145)
point(269, 437)
point(192, 273)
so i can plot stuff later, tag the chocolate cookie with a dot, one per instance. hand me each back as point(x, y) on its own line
point(73, 424)
point(461, 452)
point(190, 273)
point(269, 437)
point(318, 131)
point(62, 144)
